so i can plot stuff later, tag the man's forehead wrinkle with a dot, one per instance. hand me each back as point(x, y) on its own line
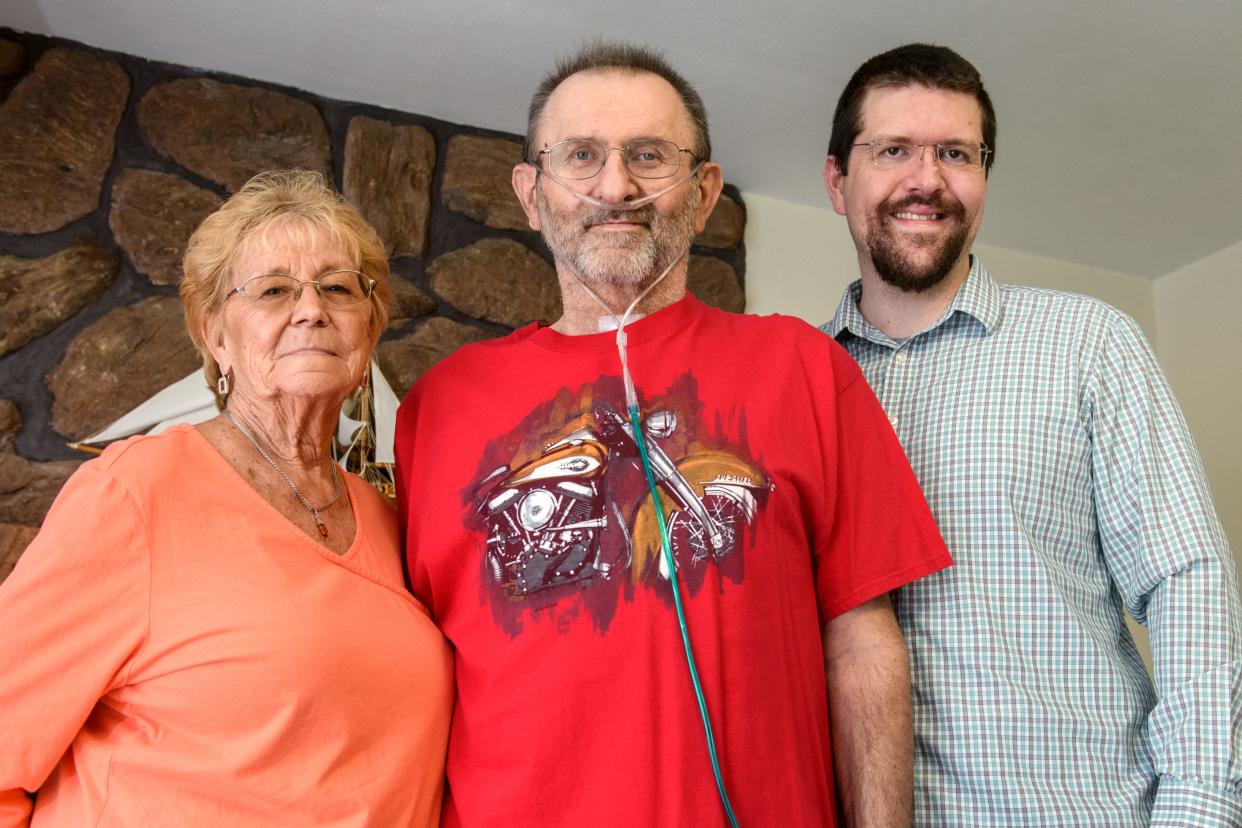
point(584, 137)
point(574, 101)
point(908, 139)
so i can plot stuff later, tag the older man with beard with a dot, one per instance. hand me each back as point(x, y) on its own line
point(1066, 486)
point(659, 536)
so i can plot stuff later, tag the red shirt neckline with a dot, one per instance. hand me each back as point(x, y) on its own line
point(671, 317)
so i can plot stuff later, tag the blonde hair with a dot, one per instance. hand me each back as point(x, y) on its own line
point(265, 202)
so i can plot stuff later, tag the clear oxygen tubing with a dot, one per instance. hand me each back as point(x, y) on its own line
point(631, 402)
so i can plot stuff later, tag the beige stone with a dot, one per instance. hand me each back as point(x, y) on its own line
point(37, 295)
point(13, 541)
point(117, 362)
point(715, 282)
point(478, 176)
point(388, 173)
point(498, 280)
point(408, 302)
point(406, 359)
point(152, 217)
point(228, 133)
point(725, 226)
point(57, 135)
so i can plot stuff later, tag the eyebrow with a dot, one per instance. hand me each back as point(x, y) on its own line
point(637, 140)
point(942, 142)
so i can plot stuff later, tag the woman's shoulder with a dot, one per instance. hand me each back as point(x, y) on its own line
point(171, 450)
point(374, 509)
point(150, 466)
point(367, 494)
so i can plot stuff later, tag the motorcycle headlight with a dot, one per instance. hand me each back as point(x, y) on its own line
point(536, 509)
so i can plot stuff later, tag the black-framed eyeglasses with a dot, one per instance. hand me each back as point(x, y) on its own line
point(346, 289)
point(649, 158)
point(893, 153)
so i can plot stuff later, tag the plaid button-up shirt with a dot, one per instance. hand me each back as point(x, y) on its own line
point(1066, 485)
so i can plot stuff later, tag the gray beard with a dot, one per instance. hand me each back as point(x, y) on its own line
point(619, 259)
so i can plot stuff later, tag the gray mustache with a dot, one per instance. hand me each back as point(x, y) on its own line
point(643, 214)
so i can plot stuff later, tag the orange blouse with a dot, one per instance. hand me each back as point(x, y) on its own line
point(173, 651)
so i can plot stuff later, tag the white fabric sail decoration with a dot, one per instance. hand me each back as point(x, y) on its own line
point(347, 428)
point(187, 400)
point(385, 403)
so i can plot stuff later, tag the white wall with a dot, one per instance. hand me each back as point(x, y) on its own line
point(798, 259)
point(1201, 349)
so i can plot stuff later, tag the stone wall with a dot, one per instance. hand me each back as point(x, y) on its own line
point(108, 162)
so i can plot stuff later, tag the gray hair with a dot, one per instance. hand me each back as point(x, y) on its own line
point(604, 55)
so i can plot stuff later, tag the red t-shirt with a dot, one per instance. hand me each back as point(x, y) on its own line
point(531, 536)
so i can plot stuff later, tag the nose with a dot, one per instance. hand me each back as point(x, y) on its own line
point(614, 183)
point(308, 305)
point(926, 174)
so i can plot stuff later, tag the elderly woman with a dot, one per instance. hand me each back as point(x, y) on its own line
point(211, 627)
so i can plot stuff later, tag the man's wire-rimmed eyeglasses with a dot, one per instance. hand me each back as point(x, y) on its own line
point(892, 153)
point(575, 160)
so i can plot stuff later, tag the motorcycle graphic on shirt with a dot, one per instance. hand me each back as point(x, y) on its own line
point(562, 520)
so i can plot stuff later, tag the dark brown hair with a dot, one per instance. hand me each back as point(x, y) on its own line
point(915, 64)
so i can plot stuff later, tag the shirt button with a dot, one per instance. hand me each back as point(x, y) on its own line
point(900, 358)
point(892, 420)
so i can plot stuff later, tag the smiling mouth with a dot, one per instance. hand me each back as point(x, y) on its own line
point(920, 216)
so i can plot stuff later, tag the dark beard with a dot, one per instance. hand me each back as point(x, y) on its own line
point(901, 271)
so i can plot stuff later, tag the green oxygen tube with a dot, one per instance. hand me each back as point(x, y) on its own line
point(681, 615)
point(631, 401)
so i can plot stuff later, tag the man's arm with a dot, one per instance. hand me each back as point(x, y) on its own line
point(1171, 562)
point(869, 710)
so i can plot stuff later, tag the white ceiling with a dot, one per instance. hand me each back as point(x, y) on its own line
point(1120, 140)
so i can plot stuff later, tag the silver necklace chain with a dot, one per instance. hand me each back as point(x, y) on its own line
point(336, 483)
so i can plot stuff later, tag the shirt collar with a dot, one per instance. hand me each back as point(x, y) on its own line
point(979, 297)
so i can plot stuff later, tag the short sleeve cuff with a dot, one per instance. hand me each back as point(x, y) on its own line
point(1183, 803)
point(883, 585)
